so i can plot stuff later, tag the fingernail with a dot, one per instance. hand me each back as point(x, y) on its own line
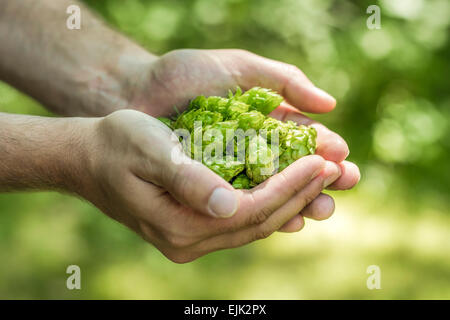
point(223, 203)
point(332, 172)
point(321, 93)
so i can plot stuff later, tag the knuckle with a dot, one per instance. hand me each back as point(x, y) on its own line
point(219, 227)
point(181, 181)
point(294, 74)
point(260, 216)
point(294, 71)
point(293, 68)
point(257, 216)
point(178, 242)
point(307, 199)
point(262, 233)
point(286, 183)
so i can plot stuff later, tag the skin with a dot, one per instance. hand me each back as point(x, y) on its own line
point(230, 68)
point(120, 160)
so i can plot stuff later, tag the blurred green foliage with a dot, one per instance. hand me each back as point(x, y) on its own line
point(392, 87)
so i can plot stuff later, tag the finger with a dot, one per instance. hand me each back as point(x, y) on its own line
point(280, 217)
point(329, 144)
point(188, 181)
point(284, 78)
point(320, 209)
point(349, 178)
point(297, 203)
point(257, 204)
point(172, 219)
point(294, 225)
point(199, 188)
point(204, 228)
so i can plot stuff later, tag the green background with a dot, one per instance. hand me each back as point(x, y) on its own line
point(392, 87)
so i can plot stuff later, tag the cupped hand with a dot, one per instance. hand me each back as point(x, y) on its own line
point(181, 75)
point(138, 175)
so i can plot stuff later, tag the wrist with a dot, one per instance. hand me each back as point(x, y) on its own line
point(127, 73)
point(75, 158)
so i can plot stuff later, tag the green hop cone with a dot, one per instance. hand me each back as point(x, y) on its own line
point(235, 109)
point(224, 144)
point(215, 138)
point(224, 126)
point(199, 102)
point(187, 119)
point(261, 99)
point(217, 104)
point(242, 182)
point(259, 161)
point(226, 169)
point(298, 143)
point(213, 103)
point(251, 120)
point(272, 126)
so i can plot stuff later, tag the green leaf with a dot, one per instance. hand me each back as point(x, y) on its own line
point(251, 120)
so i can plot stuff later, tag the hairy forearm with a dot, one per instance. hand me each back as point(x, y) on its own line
point(87, 72)
point(38, 153)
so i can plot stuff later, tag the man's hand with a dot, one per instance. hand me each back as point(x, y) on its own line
point(115, 73)
point(123, 165)
point(96, 71)
point(177, 207)
point(179, 76)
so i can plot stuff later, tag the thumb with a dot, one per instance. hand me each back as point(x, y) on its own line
point(284, 78)
point(158, 158)
point(192, 183)
point(296, 88)
point(196, 186)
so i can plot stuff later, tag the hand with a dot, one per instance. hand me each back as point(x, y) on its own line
point(177, 207)
point(181, 75)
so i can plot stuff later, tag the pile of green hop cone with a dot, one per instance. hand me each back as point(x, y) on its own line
point(260, 146)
